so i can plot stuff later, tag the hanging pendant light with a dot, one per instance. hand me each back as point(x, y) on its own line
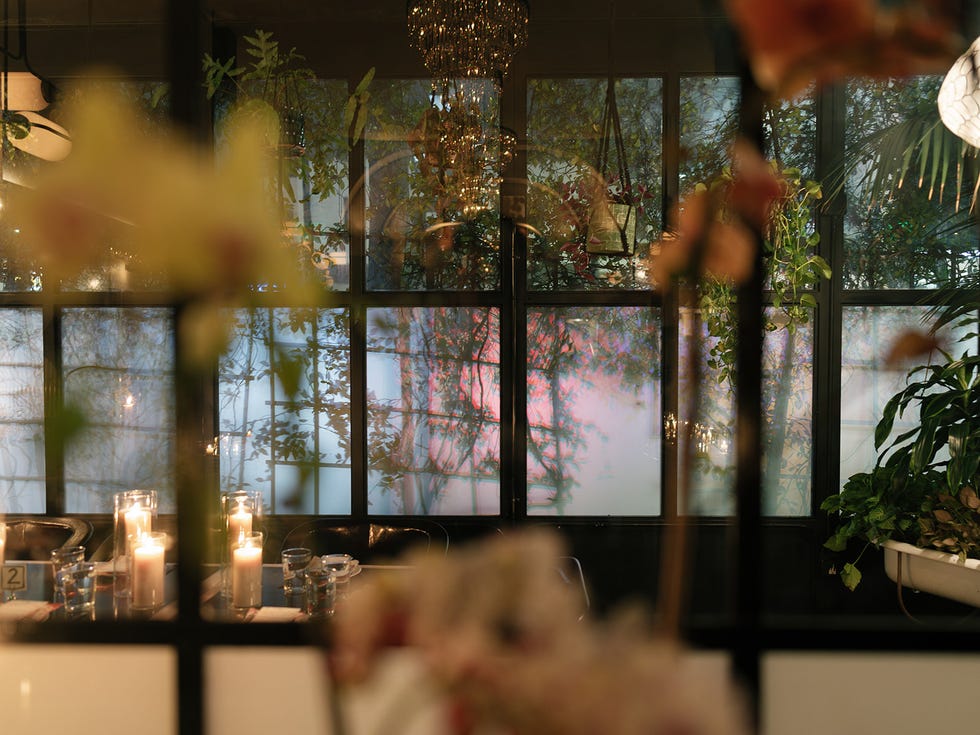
point(959, 96)
point(22, 98)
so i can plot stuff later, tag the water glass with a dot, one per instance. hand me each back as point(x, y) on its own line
point(321, 591)
point(75, 584)
point(343, 566)
point(294, 564)
point(65, 556)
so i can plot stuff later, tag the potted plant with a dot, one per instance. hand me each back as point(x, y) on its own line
point(920, 500)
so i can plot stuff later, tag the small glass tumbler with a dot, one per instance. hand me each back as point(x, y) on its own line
point(343, 566)
point(321, 592)
point(62, 557)
point(75, 584)
point(294, 564)
point(246, 571)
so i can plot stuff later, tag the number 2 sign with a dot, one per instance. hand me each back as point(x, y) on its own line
point(13, 577)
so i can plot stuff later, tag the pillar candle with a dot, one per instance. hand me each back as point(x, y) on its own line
point(148, 571)
point(246, 576)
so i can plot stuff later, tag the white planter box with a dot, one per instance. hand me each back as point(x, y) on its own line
point(933, 571)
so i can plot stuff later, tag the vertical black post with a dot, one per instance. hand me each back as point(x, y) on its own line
point(748, 437)
point(185, 37)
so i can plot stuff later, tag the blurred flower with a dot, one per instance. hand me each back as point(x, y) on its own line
point(912, 344)
point(507, 641)
point(207, 226)
point(792, 43)
point(716, 227)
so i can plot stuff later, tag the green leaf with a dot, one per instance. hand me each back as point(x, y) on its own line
point(850, 575)
point(366, 80)
point(884, 427)
point(837, 542)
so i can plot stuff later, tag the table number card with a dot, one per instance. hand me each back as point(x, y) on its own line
point(14, 577)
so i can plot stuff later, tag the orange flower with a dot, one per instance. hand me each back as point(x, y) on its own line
point(791, 43)
point(723, 222)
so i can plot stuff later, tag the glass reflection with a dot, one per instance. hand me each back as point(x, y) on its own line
point(593, 411)
point(118, 373)
point(433, 380)
point(787, 413)
point(22, 487)
point(562, 160)
point(420, 233)
point(284, 409)
point(900, 232)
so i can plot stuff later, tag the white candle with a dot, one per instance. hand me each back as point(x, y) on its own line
point(138, 522)
point(148, 570)
point(246, 576)
point(239, 525)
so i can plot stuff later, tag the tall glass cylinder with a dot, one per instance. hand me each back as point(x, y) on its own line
point(134, 515)
point(241, 515)
point(246, 571)
point(148, 570)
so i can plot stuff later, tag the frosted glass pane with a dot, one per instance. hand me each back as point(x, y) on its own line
point(594, 411)
point(433, 381)
point(292, 446)
point(22, 487)
point(867, 384)
point(118, 370)
point(787, 440)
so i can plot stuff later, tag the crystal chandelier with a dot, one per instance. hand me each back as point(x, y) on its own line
point(465, 39)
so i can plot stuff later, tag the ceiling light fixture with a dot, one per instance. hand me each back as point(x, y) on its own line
point(465, 39)
point(22, 98)
point(959, 96)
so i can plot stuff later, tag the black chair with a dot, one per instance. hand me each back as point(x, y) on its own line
point(33, 538)
point(368, 542)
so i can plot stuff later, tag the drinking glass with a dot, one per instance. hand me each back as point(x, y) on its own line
point(62, 557)
point(343, 566)
point(321, 592)
point(75, 584)
point(294, 564)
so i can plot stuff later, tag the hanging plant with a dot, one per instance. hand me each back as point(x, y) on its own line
point(793, 271)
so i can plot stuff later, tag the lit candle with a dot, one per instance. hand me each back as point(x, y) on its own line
point(239, 524)
point(138, 521)
point(246, 574)
point(148, 571)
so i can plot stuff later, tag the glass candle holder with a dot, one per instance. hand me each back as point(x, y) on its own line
point(147, 570)
point(134, 514)
point(241, 515)
point(246, 571)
